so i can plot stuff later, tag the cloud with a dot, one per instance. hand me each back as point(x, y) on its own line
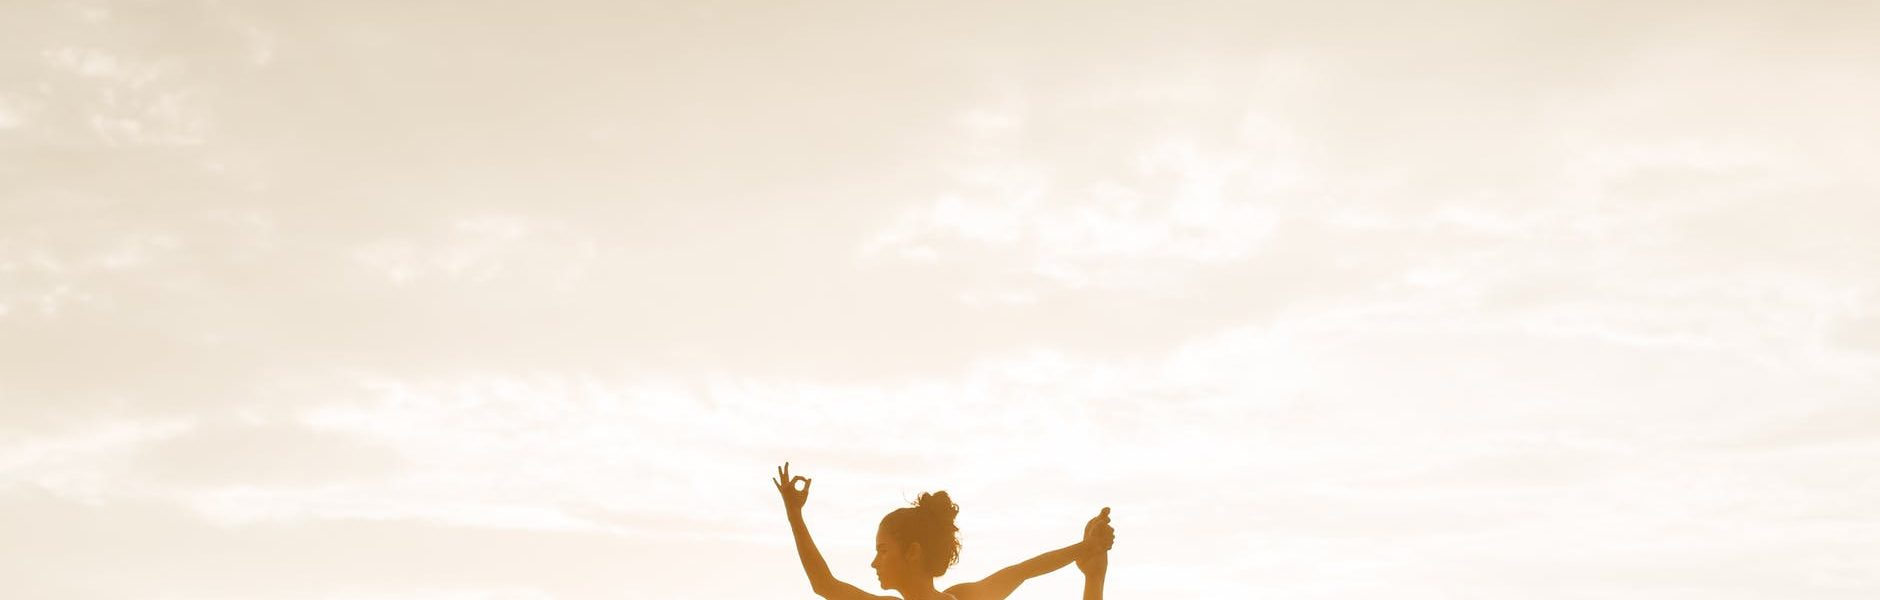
point(1845, 422)
point(130, 101)
point(1168, 199)
point(1859, 333)
point(482, 249)
point(157, 546)
point(261, 454)
point(13, 111)
point(89, 463)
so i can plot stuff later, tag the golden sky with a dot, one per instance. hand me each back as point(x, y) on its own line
point(526, 300)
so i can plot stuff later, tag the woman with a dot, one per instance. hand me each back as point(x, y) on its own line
point(916, 544)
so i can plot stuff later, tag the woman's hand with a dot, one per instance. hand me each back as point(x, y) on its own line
point(1098, 538)
point(793, 498)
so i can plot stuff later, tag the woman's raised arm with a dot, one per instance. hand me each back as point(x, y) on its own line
point(821, 580)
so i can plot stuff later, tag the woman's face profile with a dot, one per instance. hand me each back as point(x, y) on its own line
point(889, 563)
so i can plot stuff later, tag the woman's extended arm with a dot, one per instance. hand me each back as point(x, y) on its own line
point(1097, 538)
point(821, 580)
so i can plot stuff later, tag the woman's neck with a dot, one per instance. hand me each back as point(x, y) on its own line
point(921, 589)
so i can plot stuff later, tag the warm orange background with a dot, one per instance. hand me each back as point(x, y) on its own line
point(526, 300)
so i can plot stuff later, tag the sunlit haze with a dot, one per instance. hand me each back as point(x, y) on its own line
point(527, 301)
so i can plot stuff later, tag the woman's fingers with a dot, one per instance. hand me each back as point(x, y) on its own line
point(1098, 533)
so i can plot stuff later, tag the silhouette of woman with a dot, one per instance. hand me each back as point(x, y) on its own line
point(916, 544)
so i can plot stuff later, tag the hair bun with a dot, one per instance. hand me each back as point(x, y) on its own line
point(938, 503)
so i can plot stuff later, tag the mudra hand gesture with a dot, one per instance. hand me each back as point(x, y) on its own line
point(793, 498)
point(1098, 538)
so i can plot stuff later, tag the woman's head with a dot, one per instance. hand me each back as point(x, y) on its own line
point(917, 541)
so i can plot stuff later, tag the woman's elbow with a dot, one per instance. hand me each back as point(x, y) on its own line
point(826, 589)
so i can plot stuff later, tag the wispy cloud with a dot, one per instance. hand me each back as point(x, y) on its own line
point(1133, 213)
